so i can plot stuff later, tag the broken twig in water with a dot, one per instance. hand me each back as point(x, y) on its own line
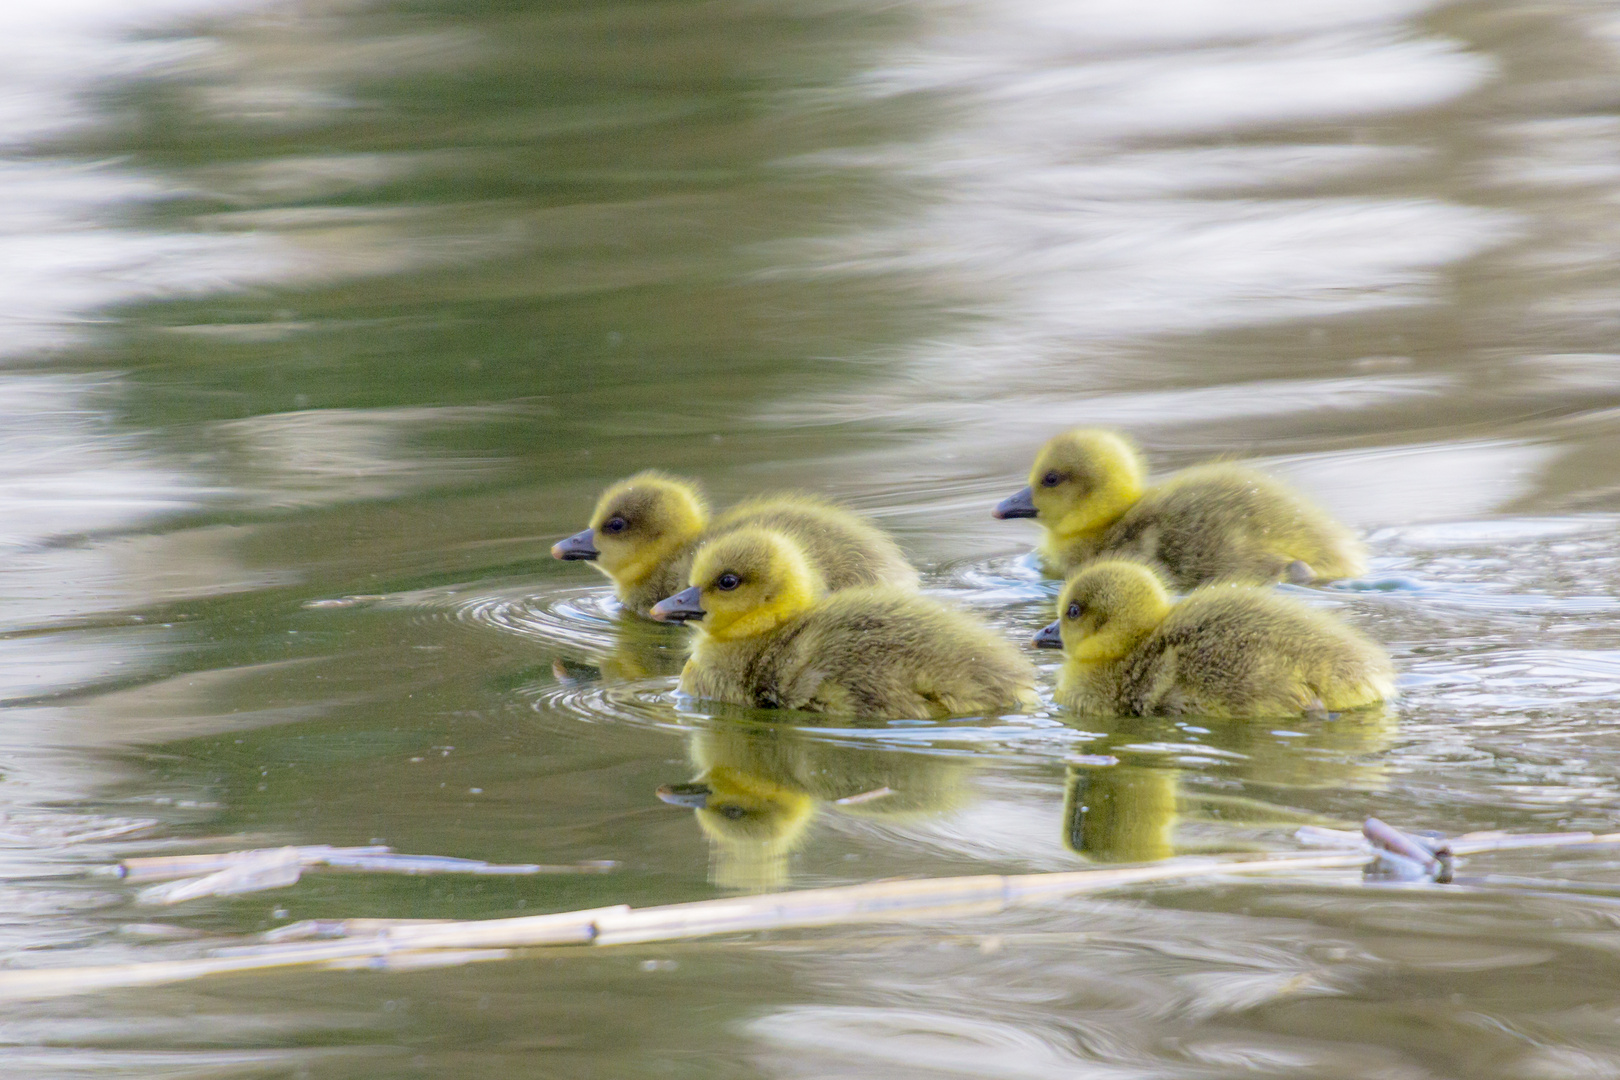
point(403, 944)
point(232, 872)
point(1406, 857)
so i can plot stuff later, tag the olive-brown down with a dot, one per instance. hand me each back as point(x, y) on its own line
point(1208, 523)
point(1226, 650)
point(778, 640)
point(664, 520)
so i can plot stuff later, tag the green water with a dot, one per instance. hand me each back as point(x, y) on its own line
point(327, 319)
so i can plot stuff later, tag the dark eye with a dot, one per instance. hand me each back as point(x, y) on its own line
point(727, 581)
point(733, 811)
point(1052, 479)
point(615, 525)
point(1076, 609)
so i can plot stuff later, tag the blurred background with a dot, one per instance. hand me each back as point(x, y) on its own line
point(321, 320)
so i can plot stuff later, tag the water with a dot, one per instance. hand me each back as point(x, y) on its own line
point(324, 320)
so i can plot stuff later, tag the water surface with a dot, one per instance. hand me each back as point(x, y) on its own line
point(323, 320)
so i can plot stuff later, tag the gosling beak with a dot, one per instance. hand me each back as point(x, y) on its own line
point(579, 546)
point(691, 796)
point(1019, 505)
point(682, 607)
point(1049, 638)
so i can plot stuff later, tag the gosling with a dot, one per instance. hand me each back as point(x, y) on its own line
point(645, 528)
point(1224, 651)
point(1207, 523)
point(772, 636)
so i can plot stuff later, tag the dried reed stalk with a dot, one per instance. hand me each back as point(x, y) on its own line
point(411, 943)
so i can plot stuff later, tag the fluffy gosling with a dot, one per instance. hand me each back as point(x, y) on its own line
point(645, 528)
point(1203, 524)
point(1224, 651)
point(772, 636)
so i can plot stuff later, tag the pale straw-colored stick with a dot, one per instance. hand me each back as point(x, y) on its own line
point(396, 943)
point(170, 867)
point(374, 858)
point(563, 928)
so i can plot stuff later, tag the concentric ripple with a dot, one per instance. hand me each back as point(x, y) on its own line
point(644, 702)
point(581, 621)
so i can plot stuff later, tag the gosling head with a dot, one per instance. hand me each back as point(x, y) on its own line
point(637, 524)
point(744, 583)
point(1083, 480)
point(1105, 611)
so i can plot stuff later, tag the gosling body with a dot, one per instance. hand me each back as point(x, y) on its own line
point(646, 528)
point(1224, 651)
point(777, 639)
point(1217, 522)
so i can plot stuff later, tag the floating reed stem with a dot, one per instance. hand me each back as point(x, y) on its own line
point(190, 877)
point(402, 944)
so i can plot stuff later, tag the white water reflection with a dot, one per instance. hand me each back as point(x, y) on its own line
point(72, 485)
point(1186, 87)
point(323, 456)
point(70, 478)
point(1065, 237)
point(1436, 481)
point(51, 55)
point(1080, 27)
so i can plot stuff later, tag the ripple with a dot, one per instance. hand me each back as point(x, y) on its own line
point(585, 620)
point(1528, 678)
point(1478, 596)
point(582, 616)
point(1467, 534)
point(646, 703)
point(1001, 582)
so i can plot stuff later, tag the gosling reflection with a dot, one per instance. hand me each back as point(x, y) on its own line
point(760, 787)
point(1120, 813)
point(1144, 791)
point(639, 650)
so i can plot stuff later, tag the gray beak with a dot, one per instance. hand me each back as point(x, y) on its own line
point(1049, 637)
point(682, 607)
point(691, 796)
point(1020, 504)
point(582, 545)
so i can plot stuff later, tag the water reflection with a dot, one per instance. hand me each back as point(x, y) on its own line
point(321, 317)
point(1148, 788)
point(760, 787)
point(1057, 222)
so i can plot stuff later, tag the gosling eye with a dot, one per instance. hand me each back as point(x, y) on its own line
point(1076, 609)
point(1052, 478)
point(733, 811)
point(727, 581)
point(615, 525)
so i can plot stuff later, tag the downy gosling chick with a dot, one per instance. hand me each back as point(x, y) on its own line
point(1224, 651)
point(645, 528)
point(1203, 524)
point(770, 635)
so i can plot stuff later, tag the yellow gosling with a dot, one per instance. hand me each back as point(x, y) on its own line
point(1215, 522)
point(1224, 651)
point(645, 528)
point(771, 636)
